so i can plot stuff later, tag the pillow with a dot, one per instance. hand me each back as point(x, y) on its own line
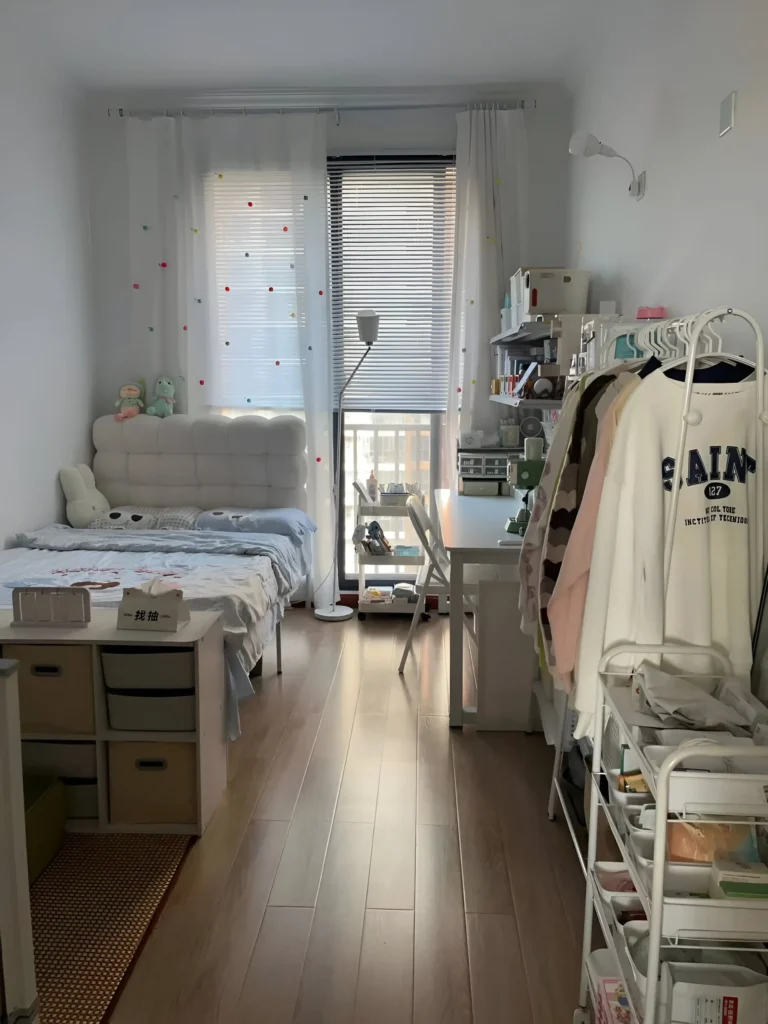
point(127, 517)
point(136, 517)
point(288, 522)
point(184, 518)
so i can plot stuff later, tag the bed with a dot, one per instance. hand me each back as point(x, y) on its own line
point(209, 462)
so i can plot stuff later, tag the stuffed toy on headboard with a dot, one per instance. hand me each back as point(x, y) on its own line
point(84, 501)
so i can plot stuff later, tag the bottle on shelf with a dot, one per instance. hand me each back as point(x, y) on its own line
point(372, 486)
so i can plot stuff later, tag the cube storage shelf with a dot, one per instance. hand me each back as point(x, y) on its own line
point(167, 779)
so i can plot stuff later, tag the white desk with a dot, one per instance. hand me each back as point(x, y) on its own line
point(471, 529)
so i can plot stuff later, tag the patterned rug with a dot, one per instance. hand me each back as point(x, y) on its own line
point(91, 908)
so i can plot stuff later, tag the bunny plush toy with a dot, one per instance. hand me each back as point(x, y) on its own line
point(84, 501)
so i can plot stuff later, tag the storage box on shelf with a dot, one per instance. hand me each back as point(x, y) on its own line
point(674, 896)
point(133, 722)
point(547, 290)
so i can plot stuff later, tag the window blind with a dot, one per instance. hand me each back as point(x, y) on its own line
point(258, 261)
point(391, 249)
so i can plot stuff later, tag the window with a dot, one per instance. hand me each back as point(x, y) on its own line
point(257, 287)
point(396, 448)
point(391, 238)
point(391, 249)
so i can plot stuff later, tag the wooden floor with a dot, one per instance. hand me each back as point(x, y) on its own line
point(368, 865)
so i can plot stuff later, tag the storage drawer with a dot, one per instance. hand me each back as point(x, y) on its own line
point(55, 687)
point(45, 815)
point(152, 783)
point(74, 764)
point(481, 488)
point(150, 689)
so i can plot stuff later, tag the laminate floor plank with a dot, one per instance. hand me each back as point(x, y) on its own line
point(301, 867)
point(271, 986)
point(216, 978)
point(543, 927)
point(401, 730)
point(282, 788)
point(393, 859)
point(393, 867)
point(431, 666)
point(497, 971)
point(385, 980)
point(441, 993)
point(483, 863)
point(570, 880)
point(360, 784)
point(436, 790)
point(329, 979)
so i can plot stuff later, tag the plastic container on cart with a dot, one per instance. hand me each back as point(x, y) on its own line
point(693, 793)
point(625, 799)
point(603, 870)
point(679, 879)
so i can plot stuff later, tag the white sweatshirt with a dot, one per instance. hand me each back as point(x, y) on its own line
point(708, 598)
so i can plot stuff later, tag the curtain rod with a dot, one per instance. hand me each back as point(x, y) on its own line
point(337, 109)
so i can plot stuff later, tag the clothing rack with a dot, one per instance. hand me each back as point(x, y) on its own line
point(671, 919)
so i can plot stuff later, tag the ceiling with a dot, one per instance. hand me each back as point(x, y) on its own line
point(202, 44)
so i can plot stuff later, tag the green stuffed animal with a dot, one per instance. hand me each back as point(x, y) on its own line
point(162, 404)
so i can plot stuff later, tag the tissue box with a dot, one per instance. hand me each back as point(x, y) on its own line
point(162, 612)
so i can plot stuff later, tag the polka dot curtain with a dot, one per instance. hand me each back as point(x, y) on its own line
point(166, 242)
point(228, 280)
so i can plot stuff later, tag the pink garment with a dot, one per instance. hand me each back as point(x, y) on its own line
point(566, 606)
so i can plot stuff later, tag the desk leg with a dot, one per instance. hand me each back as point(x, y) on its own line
point(456, 660)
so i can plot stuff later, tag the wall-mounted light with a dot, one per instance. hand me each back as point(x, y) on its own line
point(585, 144)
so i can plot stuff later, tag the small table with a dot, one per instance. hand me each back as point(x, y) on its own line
point(471, 529)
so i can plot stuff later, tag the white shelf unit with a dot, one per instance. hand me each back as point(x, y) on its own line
point(535, 331)
point(203, 635)
point(527, 403)
point(675, 916)
point(394, 607)
point(390, 559)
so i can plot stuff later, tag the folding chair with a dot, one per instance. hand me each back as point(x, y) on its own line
point(434, 576)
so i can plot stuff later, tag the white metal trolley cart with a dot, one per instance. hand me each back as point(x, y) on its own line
point(363, 513)
point(672, 918)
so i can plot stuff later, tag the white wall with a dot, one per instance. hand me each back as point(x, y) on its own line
point(45, 316)
point(652, 90)
point(424, 130)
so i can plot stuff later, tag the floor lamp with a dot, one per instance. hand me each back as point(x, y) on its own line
point(367, 330)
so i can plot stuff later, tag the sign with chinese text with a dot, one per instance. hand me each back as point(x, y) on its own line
point(162, 612)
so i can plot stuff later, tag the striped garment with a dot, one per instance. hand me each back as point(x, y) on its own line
point(596, 397)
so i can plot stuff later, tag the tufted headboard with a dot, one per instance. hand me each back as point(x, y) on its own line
point(208, 461)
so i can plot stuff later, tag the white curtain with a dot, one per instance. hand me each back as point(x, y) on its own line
point(491, 243)
point(209, 312)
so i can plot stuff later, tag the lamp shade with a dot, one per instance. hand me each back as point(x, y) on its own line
point(368, 326)
point(584, 144)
